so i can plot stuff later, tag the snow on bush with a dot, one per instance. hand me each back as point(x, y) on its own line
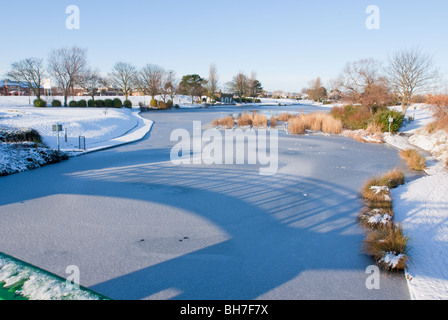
point(36, 285)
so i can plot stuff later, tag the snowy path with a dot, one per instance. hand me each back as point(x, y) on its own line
point(139, 227)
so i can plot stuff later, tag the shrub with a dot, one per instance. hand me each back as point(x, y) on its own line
point(169, 104)
point(100, 103)
point(73, 104)
point(337, 112)
point(414, 160)
point(127, 104)
point(162, 105)
point(153, 103)
point(39, 103)
point(82, 104)
point(382, 118)
point(91, 103)
point(353, 117)
point(356, 117)
point(176, 106)
point(440, 111)
point(116, 103)
point(108, 103)
point(14, 136)
point(56, 103)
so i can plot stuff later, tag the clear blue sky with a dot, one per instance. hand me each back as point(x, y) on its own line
point(286, 42)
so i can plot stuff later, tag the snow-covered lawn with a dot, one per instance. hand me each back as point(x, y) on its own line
point(421, 207)
point(100, 127)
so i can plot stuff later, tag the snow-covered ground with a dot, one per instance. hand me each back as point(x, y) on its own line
point(421, 207)
point(101, 127)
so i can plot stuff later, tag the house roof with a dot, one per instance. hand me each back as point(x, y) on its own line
point(8, 83)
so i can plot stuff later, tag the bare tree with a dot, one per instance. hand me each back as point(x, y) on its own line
point(211, 85)
point(66, 65)
point(150, 80)
point(31, 71)
point(410, 71)
point(123, 77)
point(358, 76)
point(91, 81)
point(239, 85)
point(170, 86)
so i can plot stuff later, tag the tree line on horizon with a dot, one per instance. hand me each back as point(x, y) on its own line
point(407, 75)
point(69, 68)
point(366, 82)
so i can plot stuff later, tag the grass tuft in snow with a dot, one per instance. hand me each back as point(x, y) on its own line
point(414, 160)
point(226, 122)
point(387, 246)
point(385, 241)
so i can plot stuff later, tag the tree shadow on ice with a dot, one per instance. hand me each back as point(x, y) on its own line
point(274, 233)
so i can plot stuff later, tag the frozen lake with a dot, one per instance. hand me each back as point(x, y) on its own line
point(139, 227)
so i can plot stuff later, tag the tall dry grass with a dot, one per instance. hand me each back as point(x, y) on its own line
point(252, 119)
point(331, 125)
point(296, 125)
point(272, 121)
point(375, 128)
point(315, 122)
point(259, 120)
point(245, 119)
point(440, 110)
point(226, 122)
point(284, 117)
point(414, 160)
point(391, 241)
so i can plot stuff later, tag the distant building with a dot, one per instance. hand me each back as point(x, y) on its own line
point(226, 98)
point(12, 88)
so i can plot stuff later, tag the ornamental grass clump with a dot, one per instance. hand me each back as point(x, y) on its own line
point(226, 122)
point(414, 160)
point(388, 247)
point(385, 241)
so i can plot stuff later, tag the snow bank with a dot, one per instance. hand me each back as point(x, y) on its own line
point(421, 207)
point(19, 157)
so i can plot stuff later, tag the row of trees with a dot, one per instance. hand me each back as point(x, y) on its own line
point(407, 73)
point(69, 68)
